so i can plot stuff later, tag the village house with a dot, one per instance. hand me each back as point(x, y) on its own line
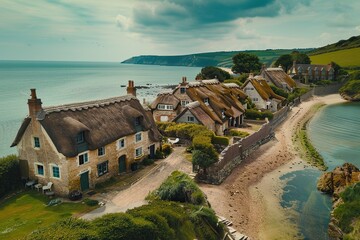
point(310, 72)
point(261, 94)
point(209, 102)
point(76, 146)
point(278, 78)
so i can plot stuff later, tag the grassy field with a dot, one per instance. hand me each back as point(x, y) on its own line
point(23, 213)
point(345, 58)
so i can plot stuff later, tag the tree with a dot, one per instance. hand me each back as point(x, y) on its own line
point(211, 72)
point(204, 157)
point(300, 57)
point(245, 63)
point(285, 61)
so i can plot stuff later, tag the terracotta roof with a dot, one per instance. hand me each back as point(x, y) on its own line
point(103, 121)
point(165, 98)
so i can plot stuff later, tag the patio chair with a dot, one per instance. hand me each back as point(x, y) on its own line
point(47, 187)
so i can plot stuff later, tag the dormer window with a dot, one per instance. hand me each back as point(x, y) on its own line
point(223, 114)
point(137, 121)
point(182, 90)
point(184, 102)
point(206, 101)
point(165, 107)
point(80, 138)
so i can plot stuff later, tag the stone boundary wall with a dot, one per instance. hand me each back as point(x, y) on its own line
point(233, 154)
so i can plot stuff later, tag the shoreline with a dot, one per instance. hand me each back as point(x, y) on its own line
point(249, 197)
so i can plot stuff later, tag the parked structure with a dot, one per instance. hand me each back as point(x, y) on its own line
point(278, 77)
point(76, 146)
point(209, 102)
point(311, 72)
point(261, 94)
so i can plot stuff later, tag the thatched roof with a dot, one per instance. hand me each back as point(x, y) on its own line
point(198, 112)
point(279, 77)
point(165, 98)
point(103, 121)
point(263, 88)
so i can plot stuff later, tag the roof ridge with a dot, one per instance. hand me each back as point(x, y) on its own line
point(88, 104)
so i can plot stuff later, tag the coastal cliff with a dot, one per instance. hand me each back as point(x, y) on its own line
point(343, 183)
point(351, 90)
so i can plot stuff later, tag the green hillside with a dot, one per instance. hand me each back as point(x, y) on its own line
point(220, 59)
point(353, 42)
point(348, 58)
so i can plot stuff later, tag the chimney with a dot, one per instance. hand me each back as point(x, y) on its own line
point(34, 104)
point(131, 90)
point(251, 75)
point(183, 79)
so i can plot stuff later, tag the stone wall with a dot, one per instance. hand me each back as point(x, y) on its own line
point(326, 90)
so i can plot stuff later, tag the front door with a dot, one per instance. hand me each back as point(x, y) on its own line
point(84, 181)
point(152, 151)
point(122, 164)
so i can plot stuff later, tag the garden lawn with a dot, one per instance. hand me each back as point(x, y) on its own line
point(25, 212)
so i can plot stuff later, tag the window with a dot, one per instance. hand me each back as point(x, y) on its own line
point(137, 121)
point(165, 107)
point(138, 152)
point(191, 119)
point(121, 143)
point(182, 90)
point(138, 137)
point(101, 151)
point(102, 168)
point(255, 99)
point(184, 102)
point(83, 158)
point(80, 138)
point(39, 168)
point(164, 118)
point(36, 142)
point(206, 101)
point(55, 171)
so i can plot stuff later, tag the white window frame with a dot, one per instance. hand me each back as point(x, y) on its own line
point(141, 154)
point(107, 168)
point(104, 151)
point(184, 102)
point(206, 101)
point(34, 143)
point(255, 99)
point(165, 107)
point(138, 134)
point(182, 90)
point(51, 165)
point(118, 143)
point(88, 158)
point(36, 169)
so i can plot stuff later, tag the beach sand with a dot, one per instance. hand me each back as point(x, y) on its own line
point(250, 196)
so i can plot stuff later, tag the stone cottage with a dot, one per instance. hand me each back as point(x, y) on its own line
point(211, 103)
point(261, 94)
point(78, 145)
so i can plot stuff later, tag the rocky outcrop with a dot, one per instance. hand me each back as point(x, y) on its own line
point(334, 183)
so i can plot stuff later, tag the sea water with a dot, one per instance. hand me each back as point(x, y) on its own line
point(335, 133)
point(59, 83)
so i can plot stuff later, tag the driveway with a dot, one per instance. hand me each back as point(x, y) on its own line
point(134, 196)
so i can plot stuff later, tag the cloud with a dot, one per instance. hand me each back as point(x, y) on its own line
point(122, 21)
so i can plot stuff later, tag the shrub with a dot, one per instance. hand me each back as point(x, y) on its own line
point(220, 140)
point(91, 202)
point(159, 154)
point(9, 174)
point(166, 148)
point(255, 114)
point(279, 91)
point(147, 161)
point(237, 133)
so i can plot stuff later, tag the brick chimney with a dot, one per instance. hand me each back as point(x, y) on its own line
point(183, 80)
point(131, 90)
point(34, 104)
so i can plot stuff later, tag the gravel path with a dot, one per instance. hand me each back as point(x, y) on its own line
point(134, 196)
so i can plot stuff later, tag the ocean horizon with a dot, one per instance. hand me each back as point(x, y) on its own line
point(63, 82)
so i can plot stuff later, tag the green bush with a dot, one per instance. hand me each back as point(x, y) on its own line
point(279, 91)
point(256, 114)
point(187, 130)
point(166, 148)
point(297, 93)
point(9, 174)
point(237, 133)
point(123, 226)
point(91, 202)
point(209, 231)
point(220, 140)
point(351, 88)
point(159, 154)
point(148, 161)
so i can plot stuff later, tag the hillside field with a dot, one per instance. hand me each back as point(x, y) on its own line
point(345, 58)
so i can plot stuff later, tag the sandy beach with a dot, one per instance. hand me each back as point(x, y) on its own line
point(249, 197)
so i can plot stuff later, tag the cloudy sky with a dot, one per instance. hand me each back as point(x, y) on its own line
point(114, 30)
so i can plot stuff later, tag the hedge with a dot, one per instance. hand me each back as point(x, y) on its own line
point(9, 174)
point(255, 114)
point(237, 133)
point(220, 140)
